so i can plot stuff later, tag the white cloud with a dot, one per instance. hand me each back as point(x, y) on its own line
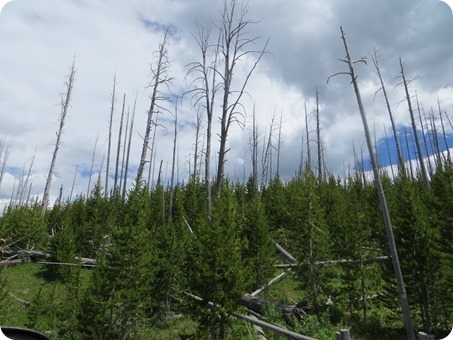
point(39, 40)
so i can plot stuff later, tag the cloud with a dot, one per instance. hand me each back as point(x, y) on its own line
point(41, 38)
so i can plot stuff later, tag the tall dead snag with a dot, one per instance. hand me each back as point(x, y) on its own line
point(204, 95)
point(234, 48)
point(4, 152)
point(254, 144)
point(414, 126)
point(160, 77)
point(128, 153)
point(385, 211)
point(112, 109)
point(173, 162)
point(279, 141)
point(118, 149)
point(64, 111)
point(422, 128)
point(91, 169)
point(401, 166)
point(196, 155)
point(443, 131)
point(318, 137)
point(307, 133)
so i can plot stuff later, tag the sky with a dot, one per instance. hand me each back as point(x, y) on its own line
point(40, 39)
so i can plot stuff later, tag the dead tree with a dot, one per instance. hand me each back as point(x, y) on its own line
point(399, 153)
point(443, 131)
point(254, 154)
point(318, 137)
point(383, 202)
point(118, 149)
point(279, 141)
point(203, 94)
point(73, 182)
point(307, 133)
point(160, 78)
point(172, 180)
point(128, 153)
point(414, 126)
point(234, 47)
point(64, 111)
point(109, 145)
point(4, 152)
point(196, 155)
point(422, 127)
point(91, 168)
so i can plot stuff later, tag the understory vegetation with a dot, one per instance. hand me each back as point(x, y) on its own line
point(148, 258)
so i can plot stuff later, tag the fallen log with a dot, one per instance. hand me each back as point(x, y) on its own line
point(259, 305)
point(254, 321)
point(10, 263)
point(343, 261)
point(34, 255)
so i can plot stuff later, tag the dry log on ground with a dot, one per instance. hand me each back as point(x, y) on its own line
point(10, 263)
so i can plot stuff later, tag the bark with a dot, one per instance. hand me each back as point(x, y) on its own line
point(118, 149)
point(91, 169)
point(64, 111)
point(160, 77)
point(307, 134)
point(234, 46)
point(399, 153)
point(170, 207)
point(414, 127)
point(4, 152)
point(444, 134)
point(385, 211)
point(73, 183)
point(318, 136)
point(109, 146)
point(126, 169)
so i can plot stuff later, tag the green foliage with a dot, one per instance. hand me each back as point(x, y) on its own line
point(216, 269)
point(25, 225)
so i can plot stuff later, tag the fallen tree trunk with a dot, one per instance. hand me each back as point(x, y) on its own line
point(254, 321)
point(34, 255)
point(10, 263)
point(260, 305)
point(345, 261)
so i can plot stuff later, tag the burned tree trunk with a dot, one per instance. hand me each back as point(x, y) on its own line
point(64, 111)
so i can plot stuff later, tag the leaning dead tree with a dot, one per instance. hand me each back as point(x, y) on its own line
point(401, 166)
point(64, 111)
point(160, 78)
point(383, 202)
point(414, 126)
point(109, 146)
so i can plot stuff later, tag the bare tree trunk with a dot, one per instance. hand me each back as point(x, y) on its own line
point(152, 157)
point(409, 157)
point(443, 131)
point(279, 144)
point(128, 153)
point(170, 207)
point(392, 245)
point(422, 125)
point(64, 110)
point(27, 178)
point(73, 182)
point(160, 78)
point(254, 142)
point(267, 146)
point(318, 136)
point(233, 48)
point(399, 153)
point(123, 156)
point(389, 154)
point(112, 109)
point(91, 168)
point(414, 127)
point(197, 144)
point(307, 133)
point(118, 149)
point(5, 152)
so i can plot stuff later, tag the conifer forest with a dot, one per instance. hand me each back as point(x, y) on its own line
point(212, 257)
